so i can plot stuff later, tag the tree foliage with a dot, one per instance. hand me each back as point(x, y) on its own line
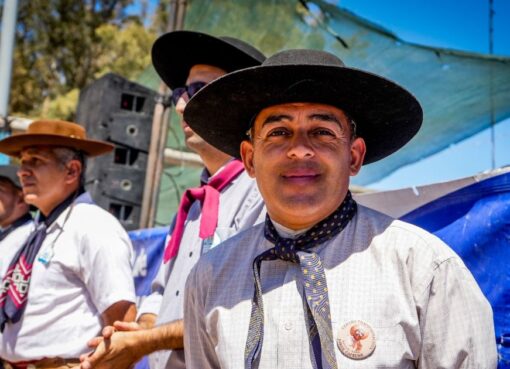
point(62, 45)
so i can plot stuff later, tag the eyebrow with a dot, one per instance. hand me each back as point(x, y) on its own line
point(327, 117)
point(276, 118)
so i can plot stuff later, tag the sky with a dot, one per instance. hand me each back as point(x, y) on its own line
point(461, 25)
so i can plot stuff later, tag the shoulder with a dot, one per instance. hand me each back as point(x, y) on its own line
point(88, 221)
point(399, 234)
point(91, 215)
point(233, 253)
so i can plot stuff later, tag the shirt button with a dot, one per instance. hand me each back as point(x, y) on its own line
point(177, 293)
point(191, 254)
point(288, 326)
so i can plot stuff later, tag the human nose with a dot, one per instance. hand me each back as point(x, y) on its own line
point(23, 170)
point(181, 104)
point(300, 146)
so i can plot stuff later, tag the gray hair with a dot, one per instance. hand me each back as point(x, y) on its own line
point(65, 154)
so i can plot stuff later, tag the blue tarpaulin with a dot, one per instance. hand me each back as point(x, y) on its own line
point(474, 221)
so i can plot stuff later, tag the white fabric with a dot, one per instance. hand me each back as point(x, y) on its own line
point(11, 244)
point(240, 207)
point(89, 272)
point(423, 304)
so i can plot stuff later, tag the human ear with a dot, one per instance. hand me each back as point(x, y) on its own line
point(247, 157)
point(74, 169)
point(358, 151)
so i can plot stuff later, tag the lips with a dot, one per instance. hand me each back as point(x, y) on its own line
point(301, 174)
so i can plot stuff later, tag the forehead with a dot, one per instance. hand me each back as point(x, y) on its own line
point(6, 183)
point(45, 151)
point(293, 110)
point(204, 73)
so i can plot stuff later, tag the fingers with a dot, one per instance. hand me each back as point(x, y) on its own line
point(127, 326)
point(108, 331)
point(94, 342)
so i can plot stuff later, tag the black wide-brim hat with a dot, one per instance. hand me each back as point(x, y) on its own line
point(387, 116)
point(174, 53)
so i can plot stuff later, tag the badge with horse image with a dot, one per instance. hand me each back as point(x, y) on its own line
point(356, 340)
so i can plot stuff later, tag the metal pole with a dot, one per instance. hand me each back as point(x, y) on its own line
point(159, 132)
point(491, 86)
point(6, 54)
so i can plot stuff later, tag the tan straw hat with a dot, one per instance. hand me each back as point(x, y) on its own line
point(54, 133)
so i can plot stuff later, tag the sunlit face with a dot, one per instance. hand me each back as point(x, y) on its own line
point(302, 155)
point(9, 197)
point(198, 73)
point(44, 180)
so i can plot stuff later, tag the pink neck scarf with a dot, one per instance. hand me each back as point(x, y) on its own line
point(209, 196)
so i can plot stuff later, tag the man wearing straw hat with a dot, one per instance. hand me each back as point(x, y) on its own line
point(227, 202)
point(15, 220)
point(73, 275)
point(324, 283)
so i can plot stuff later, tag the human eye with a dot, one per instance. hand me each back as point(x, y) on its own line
point(323, 132)
point(278, 132)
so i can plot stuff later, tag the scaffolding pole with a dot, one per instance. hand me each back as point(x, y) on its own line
point(159, 131)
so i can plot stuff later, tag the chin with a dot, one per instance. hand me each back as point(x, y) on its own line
point(31, 198)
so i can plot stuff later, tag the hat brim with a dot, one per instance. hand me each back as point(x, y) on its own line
point(387, 116)
point(174, 53)
point(13, 145)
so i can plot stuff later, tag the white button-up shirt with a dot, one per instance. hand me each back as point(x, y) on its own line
point(422, 303)
point(89, 271)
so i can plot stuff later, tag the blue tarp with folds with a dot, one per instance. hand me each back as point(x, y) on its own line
point(474, 221)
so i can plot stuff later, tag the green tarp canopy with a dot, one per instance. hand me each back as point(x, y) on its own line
point(459, 91)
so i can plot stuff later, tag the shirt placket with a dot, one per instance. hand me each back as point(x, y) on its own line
point(290, 328)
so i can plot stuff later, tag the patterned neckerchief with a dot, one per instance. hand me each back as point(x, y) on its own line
point(16, 282)
point(299, 251)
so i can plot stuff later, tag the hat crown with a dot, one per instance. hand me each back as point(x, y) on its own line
point(57, 127)
point(244, 47)
point(303, 57)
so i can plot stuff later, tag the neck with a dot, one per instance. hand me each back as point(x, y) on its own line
point(48, 208)
point(213, 161)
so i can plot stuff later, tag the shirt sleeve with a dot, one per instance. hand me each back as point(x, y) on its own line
point(198, 347)
point(152, 303)
point(456, 321)
point(106, 256)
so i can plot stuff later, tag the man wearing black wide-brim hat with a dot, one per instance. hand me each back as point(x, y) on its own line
point(325, 282)
point(73, 274)
point(226, 202)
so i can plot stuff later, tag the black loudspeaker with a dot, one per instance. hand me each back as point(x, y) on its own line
point(117, 110)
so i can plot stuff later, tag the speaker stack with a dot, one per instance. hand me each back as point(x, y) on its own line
point(117, 110)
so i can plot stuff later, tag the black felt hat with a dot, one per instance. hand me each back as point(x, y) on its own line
point(174, 53)
point(387, 116)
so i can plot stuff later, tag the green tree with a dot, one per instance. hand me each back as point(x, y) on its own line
point(58, 48)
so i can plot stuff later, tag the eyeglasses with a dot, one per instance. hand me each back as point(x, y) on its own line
point(191, 89)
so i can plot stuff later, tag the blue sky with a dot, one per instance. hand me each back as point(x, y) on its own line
point(461, 25)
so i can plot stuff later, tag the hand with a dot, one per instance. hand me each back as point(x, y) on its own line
point(116, 349)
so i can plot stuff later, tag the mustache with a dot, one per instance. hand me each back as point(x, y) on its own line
point(304, 166)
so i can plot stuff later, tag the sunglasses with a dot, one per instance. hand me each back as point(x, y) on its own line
point(190, 89)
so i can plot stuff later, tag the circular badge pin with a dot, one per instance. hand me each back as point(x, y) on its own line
point(356, 340)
